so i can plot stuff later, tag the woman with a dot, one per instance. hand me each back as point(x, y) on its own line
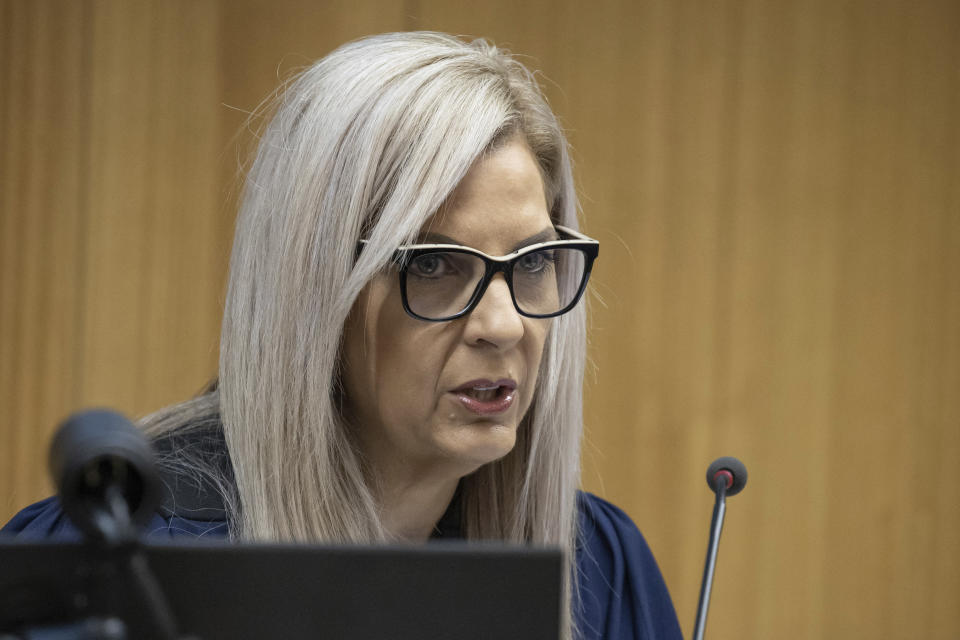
point(402, 348)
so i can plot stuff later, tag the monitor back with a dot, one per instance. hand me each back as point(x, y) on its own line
point(441, 590)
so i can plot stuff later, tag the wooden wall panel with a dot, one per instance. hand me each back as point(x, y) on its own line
point(778, 321)
point(897, 327)
point(151, 276)
point(43, 64)
point(776, 186)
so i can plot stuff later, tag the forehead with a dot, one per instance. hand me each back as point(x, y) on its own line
point(499, 205)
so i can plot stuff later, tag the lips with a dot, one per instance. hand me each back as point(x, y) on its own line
point(486, 397)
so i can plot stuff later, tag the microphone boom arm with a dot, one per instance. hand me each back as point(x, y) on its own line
point(716, 526)
point(725, 477)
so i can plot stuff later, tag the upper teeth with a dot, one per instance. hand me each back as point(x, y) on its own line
point(486, 388)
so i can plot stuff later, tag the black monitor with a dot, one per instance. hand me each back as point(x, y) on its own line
point(217, 590)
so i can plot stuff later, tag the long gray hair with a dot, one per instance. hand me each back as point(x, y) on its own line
point(369, 142)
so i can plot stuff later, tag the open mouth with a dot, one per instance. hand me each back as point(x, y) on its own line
point(485, 397)
point(486, 394)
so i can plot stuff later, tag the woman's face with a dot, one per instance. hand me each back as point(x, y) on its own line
point(446, 397)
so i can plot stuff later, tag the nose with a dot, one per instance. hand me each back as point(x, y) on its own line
point(494, 321)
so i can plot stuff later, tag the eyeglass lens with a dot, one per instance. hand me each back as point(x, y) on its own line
point(441, 284)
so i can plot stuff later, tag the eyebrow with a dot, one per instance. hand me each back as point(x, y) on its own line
point(546, 235)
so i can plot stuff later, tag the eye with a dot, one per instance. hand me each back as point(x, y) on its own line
point(536, 261)
point(430, 265)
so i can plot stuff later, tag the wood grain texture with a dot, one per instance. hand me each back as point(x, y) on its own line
point(776, 188)
point(153, 189)
point(42, 183)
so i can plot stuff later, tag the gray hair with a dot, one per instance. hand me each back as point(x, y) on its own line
point(369, 142)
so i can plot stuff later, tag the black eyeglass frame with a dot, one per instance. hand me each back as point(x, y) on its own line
point(493, 265)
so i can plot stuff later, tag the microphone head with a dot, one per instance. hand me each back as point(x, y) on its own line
point(99, 453)
point(729, 470)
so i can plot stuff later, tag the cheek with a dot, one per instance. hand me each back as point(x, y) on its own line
point(404, 383)
point(410, 358)
point(376, 379)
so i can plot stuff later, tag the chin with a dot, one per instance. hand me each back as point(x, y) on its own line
point(484, 444)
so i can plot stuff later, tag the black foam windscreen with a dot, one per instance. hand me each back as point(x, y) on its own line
point(98, 454)
point(736, 468)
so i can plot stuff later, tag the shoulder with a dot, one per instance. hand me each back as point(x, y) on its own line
point(45, 521)
point(622, 593)
point(42, 520)
point(191, 504)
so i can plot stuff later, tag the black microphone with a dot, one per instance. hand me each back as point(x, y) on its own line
point(105, 475)
point(729, 469)
point(109, 487)
point(726, 477)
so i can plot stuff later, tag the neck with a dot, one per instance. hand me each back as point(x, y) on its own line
point(412, 508)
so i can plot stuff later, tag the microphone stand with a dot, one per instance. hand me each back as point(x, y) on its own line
point(127, 549)
point(118, 559)
point(105, 474)
point(716, 525)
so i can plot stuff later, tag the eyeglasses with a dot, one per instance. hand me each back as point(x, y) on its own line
point(441, 282)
